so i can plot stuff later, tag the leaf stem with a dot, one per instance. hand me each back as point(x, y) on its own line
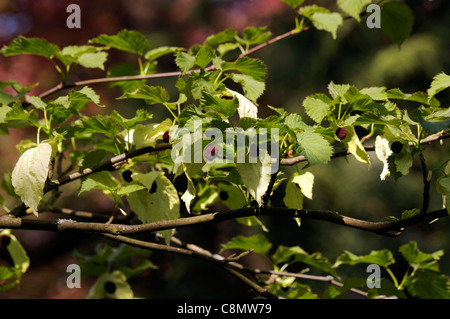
point(391, 274)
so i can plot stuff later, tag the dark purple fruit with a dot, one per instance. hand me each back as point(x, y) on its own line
point(166, 137)
point(223, 195)
point(110, 287)
point(341, 133)
point(153, 188)
point(210, 152)
point(5, 240)
point(127, 176)
point(396, 147)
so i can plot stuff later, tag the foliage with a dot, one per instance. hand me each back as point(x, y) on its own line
point(132, 159)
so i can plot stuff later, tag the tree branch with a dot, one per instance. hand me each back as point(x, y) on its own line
point(388, 228)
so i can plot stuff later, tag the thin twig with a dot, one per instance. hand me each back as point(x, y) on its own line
point(181, 251)
point(61, 86)
point(256, 272)
point(298, 159)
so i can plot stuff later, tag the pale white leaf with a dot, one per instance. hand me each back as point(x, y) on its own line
point(383, 151)
point(246, 107)
point(30, 173)
point(256, 176)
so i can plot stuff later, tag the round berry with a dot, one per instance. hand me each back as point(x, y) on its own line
point(166, 137)
point(110, 287)
point(223, 195)
point(127, 176)
point(5, 240)
point(341, 133)
point(210, 152)
point(153, 188)
point(291, 152)
point(396, 147)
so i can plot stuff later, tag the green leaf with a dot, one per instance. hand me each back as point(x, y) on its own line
point(151, 94)
point(293, 3)
point(309, 10)
point(253, 89)
point(416, 258)
point(252, 77)
point(234, 197)
point(37, 102)
point(295, 122)
point(184, 61)
point(298, 185)
point(227, 35)
point(159, 52)
point(376, 93)
point(296, 254)
point(92, 159)
point(148, 135)
point(258, 243)
point(329, 22)
point(254, 35)
point(252, 67)
point(100, 124)
point(338, 90)
point(427, 284)
point(30, 173)
point(129, 124)
point(122, 288)
point(225, 107)
point(159, 202)
point(101, 180)
point(17, 252)
point(36, 46)
point(354, 145)
point(314, 147)
point(440, 82)
point(420, 97)
point(432, 127)
point(443, 187)
point(397, 21)
point(128, 189)
point(353, 7)
point(7, 184)
point(317, 106)
point(93, 60)
point(383, 258)
point(204, 57)
point(86, 94)
point(404, 160)
point(410, 213)
point(126, 40)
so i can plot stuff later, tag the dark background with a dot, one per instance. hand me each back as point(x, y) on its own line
point(297, 67)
